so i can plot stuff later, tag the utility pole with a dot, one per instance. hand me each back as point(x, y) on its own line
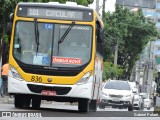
point(150, 70)
point(138, 70)
point(97, 6)
point(103, 10)
point(116, 53)
point(145, 76)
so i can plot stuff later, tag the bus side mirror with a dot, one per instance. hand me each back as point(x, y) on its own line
point(9, 24)
point(9, 28)
point(11, 17)
point(100, 35)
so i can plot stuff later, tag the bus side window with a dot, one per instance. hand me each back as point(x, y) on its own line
point(99, 37)
point(99, 33)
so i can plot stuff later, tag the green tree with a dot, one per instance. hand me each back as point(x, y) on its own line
point(8, 6)
point(111, 71)
point(132, 31)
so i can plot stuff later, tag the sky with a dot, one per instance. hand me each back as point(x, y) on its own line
point(110, 5)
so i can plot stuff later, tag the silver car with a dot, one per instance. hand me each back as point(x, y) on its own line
point(138, 102)
point(117, 93)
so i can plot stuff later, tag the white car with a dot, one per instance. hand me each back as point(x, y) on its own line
point(147, 103)
point(135, 90)
point(138, 102)
point(117, 93)
point(147, 100)
point(133, 85)
point(144, 95)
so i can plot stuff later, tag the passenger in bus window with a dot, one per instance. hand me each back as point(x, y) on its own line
point(25, 40)
point(79, 42)
point(26, 45)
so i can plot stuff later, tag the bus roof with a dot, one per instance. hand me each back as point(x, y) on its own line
point(55, 4)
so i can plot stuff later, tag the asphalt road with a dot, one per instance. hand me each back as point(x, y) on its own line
point(65, 110)
point(51, 110)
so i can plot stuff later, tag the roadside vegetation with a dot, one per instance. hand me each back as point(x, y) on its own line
point(131, 31)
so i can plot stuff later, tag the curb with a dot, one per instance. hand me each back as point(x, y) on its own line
point(6, 100)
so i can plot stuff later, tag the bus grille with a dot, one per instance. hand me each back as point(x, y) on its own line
point(39, 88)
point(51, 72)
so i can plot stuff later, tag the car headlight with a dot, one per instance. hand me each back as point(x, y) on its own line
point(85, 78)
point(103, 93)
point(15, 73)
point(127, 95)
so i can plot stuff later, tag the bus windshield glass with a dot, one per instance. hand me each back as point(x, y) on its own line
point(74, 50)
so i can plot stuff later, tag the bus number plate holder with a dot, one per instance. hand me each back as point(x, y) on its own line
point(48, 93)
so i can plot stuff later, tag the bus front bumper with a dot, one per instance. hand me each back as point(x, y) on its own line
point(76, 91)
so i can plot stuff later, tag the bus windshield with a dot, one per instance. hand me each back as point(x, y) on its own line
point(74, 50)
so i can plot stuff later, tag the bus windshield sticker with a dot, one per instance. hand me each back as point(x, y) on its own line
point(48, 26)
point(46, 59)
point(16, 46)
point(64, 60)
point(41, 59)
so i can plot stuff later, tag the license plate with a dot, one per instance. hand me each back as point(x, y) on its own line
point(48, 93)
point(115, 100)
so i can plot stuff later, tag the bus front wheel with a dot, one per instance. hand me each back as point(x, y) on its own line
point(21, 101)
point(93, 105)
point(36, 102)
point(18, 102)
point(83, 105)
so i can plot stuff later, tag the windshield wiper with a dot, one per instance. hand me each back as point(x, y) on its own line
point(36, 33)
point(66, 33)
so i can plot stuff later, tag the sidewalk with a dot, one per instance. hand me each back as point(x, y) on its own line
point(6, 100)
point(9, 100)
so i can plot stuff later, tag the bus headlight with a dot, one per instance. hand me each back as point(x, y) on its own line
point(103, 93)
point(15, 73)
point(85, 78)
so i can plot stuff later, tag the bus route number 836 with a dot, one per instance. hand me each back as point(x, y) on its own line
point(36, 79)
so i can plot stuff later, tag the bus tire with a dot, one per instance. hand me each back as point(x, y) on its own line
point(130, 108)
point(93, 105)
point(101, 106)
point(36, 102)
point(19, 101)
point(27, 102)
point(83, 105)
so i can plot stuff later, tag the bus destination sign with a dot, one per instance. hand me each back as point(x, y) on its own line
point(55, 13)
